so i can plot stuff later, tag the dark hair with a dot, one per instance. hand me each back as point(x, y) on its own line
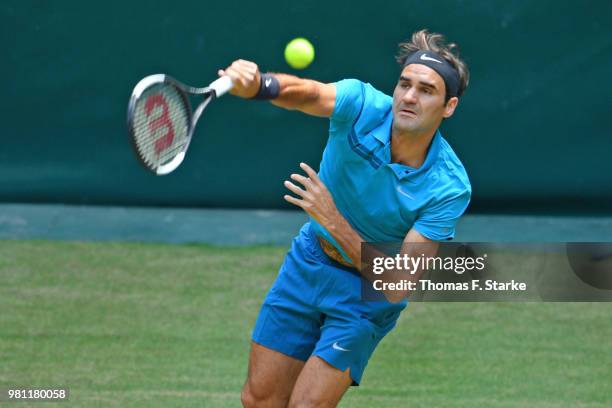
point(423, 40)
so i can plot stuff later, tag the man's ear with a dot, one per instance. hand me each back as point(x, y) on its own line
point(450, 106)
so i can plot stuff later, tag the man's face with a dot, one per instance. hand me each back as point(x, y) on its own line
point(418, 100)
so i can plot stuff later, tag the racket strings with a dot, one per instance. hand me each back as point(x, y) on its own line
point(161, 124)
point(149, 139)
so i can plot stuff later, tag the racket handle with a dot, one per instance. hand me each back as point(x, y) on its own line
point(221, 85)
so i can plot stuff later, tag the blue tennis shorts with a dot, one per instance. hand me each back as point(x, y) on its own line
point(315, 308)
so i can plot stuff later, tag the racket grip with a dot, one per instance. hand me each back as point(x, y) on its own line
point(221, 85)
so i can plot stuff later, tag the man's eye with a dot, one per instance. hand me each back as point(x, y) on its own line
point(427, 91)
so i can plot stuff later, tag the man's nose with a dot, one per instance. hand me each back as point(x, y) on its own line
point(410, 96)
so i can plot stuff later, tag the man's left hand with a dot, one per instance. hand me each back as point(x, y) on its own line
point(315, 198)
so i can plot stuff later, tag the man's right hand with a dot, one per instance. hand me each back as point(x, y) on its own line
point(246, 78)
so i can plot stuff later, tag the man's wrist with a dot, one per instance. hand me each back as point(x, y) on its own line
point(269, 87)
point(335, 223)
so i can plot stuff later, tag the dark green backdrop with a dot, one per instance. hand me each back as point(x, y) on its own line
point(531, 129)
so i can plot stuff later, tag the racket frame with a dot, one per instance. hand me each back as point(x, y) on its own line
point(214, 90)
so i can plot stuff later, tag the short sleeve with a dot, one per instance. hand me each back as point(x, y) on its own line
point(359, 105)
point(349, 100)
point(438, 222)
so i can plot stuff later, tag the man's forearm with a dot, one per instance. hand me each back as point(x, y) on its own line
point(348, 238)
point(306, 95)
point(294, 91)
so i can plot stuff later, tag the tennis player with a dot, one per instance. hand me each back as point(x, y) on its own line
point(387, 174)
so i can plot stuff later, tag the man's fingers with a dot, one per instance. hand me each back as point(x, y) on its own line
point(241, 68)
point(237, 76)
point(232, 73)
point(295, 189)
point(247, 66)
point(245, 76)
point(305, 181)
point(238, 70)
point(235, 73)
point(245, 69)
point(293, 200)
point(311, 173)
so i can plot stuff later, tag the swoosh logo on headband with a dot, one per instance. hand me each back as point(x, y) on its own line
point(424, 57)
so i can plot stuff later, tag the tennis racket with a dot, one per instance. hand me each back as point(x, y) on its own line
point(161, 121)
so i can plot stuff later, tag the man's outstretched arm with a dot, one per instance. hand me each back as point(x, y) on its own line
point(306, 95)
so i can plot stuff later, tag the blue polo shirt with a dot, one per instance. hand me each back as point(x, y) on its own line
point(380, 199)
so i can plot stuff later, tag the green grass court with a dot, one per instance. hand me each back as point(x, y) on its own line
point(158, 325)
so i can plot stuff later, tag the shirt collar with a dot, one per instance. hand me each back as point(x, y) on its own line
point(432, 154)
point(383, 132)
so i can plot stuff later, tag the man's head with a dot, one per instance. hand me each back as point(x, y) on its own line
point(432, 79)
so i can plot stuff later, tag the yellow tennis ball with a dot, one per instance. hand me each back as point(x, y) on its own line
point(299, 53)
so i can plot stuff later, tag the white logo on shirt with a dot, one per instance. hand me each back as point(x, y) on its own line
point(402, 192)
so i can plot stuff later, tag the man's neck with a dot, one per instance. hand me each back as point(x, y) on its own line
point(410, 149)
